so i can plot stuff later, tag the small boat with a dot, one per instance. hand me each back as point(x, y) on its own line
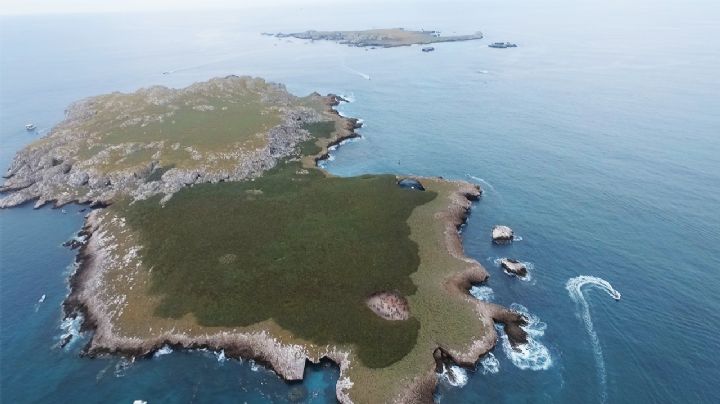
point(502, 45)
point(42, 299)
point(428, 49)
point(30, 127)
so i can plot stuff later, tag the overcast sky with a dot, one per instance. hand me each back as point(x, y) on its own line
point(94, 6)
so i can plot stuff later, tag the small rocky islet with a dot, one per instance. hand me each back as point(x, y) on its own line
point(234, 159)
point(383, 38)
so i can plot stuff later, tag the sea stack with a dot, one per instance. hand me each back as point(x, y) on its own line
point(513, 267)
point(502, 234)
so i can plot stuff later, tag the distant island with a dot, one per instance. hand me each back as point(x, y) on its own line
point(386, 38)
point(213, 227)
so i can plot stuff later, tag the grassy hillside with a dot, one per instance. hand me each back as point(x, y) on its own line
point(303, 249)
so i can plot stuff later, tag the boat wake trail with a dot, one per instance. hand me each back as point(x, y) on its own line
point(574, 287)
point(482, 181)
point(359, 73)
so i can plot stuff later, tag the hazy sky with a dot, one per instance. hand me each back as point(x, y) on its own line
point(80, 6)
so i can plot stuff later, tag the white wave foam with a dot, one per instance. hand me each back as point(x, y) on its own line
point(221, 356)
point(533, 355)
point(122, 366)
point(489, 364)
point(254, 366)
point(165, 350)
point(71, 329)
point(517, 238)
point(454, 376)
point(483, 293)
point(574, 287)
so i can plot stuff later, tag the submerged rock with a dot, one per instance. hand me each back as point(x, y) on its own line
point(514, 267)
point(410, 183)
point(502, 234)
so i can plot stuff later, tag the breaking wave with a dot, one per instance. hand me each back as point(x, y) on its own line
point(71, 330)
point(489, 364)
point(220, 355)
point(483, 293)
point(454, 375)
point(165, 350)
point(574, 287)
point(533, 355)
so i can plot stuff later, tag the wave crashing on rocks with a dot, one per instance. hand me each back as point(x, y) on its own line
point(533, 355)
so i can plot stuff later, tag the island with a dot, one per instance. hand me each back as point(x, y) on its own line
point(385, 38)
point(212, 226)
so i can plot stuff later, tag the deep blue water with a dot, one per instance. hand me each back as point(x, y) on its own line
point(597, 140)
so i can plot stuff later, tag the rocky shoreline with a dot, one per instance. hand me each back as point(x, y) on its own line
point(50, 170)
point(90, 298)
point(287, 360)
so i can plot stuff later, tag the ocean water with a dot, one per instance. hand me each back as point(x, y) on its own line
point(597, 140)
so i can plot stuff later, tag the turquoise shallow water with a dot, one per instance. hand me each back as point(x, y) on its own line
point(596, 140)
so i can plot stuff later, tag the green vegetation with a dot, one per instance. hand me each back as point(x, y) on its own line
point(318, 130)
point(209, 126)
point(305, 250)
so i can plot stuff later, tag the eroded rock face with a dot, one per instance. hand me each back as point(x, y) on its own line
point(502, 234)
point(514, 267)
point(389, 305)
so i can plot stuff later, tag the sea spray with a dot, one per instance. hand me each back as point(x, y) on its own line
point(489, 364)
point(530, 356)
point(483, 293)
point(454, 375)
point(574, 287)
point(70, 327)
point(220, 355)
point(165, 350)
